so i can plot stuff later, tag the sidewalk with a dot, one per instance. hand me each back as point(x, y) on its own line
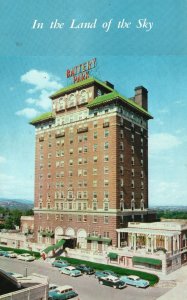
point(179, 292)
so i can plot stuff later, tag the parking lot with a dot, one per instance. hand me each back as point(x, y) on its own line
point(86, 286)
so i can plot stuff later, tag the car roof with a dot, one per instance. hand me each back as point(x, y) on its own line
point(70, 267)
point(112, 277)
point(133, 277)
point(64, 287)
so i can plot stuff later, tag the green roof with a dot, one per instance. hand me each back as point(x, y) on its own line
point(106, 98)
point(147, 260)
point(53, 247)
point(112, 255)
point(44, 117)
point(80, 84)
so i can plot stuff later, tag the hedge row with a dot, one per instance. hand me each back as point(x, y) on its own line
point(153, 279)
point(20, 251)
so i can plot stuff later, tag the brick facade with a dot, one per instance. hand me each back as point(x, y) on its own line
point(91, 165)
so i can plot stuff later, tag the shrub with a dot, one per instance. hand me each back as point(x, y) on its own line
point(153, 279)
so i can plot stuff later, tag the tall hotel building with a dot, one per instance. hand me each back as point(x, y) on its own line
point(91, 165)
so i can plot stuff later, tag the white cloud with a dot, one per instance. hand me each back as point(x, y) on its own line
point(13, 185)
point(28, 113)
point(162, 141)
point(2, 159)
point(41, 101)
point(167, 193)
point(41, 80)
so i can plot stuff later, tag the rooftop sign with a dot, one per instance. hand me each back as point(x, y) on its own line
point(81, 72)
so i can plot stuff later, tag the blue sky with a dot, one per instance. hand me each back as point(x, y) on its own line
point(156, 59)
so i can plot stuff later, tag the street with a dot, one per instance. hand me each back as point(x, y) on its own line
point(86, 286)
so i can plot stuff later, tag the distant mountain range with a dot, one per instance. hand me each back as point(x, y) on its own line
point(16, 203)
point(168, 207)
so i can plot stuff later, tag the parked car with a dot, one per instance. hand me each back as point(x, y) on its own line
point(62, 293)
point(113, 281)
point(104, 273)
point(71, 271)
point(15, 275)
point(11, 254)
point(60, 263)
point(53, 286)
point(135, 280)
point(2, 252)
point(85, 269)
point(26, 257)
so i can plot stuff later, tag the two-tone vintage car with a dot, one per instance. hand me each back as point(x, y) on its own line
point(135, 281)
point(71, 271)
point(112, 281)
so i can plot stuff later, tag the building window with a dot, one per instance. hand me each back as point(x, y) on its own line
point(121, 195)
point(79, 195)
point(95, 124)
point(85, 138)
point(106, 170)
point(106, 158)
point(121, 182)
point(106, 195)
point(70, 195)
point(95, 195)
point(106, 133)
point(49, 175)
point(106, 182)
point(84, 218)
point(95, 219)
point(95, 135)
point(80, 138)
point(79, 218)
point(121, 170)
point(132, 138)
point(141, 152)
point(121, 134)
point(141, 162)
point(79, 206)
point(71, 162)
point(106, 219)
point(70, 218)
point(70, 173)
point(132, 204)
point(84, 172)
point(106, 145)
point(94, 183)
point(121, 146)
point(142, 185)
point(106, 206)
point(80, 161)
point(121, 158)
point(71, 151)
point(142, 204)
point(132, 184)
point(95, 159)
point(79, 172)
point(95, 147)
point(94, 205)
point(85, 149)
point(132, 161)
point(141, 141)
point(94, 171)
point(132, 149)
point(142, 174)
point(80, 150)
